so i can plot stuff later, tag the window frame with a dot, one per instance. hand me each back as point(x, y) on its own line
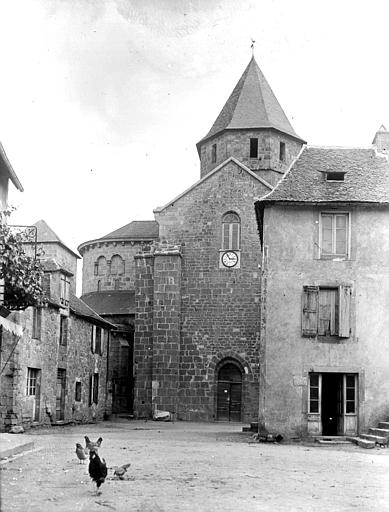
point(32, 381)
point(229, 246)
point(78, 391)
point(64, 290)
point(254, 147)
point(333, 255)
point(63, 330)
point(94, 389)
point(310, 310)
point(36, 323)
point(214, 153)
point(282, 151)
point(318, 399)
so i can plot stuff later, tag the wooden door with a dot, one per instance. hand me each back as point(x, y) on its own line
point(229, 393)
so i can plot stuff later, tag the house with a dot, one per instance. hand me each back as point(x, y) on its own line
point(56, 371)
point(324, 233)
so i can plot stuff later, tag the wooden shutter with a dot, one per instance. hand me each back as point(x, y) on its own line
point(344, 310)
point(310, 310)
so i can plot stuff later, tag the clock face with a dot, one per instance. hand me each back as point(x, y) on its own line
point(229, 259)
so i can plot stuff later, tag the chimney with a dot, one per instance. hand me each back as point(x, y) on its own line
point(381, 140)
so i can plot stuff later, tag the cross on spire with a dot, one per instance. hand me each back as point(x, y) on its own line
point(252, 46)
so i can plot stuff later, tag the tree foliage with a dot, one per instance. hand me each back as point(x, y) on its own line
point(22, 273)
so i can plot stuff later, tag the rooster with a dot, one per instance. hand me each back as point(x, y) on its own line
point(91, 446)
point(97, 470)
point(80, 453)
point(121, 470)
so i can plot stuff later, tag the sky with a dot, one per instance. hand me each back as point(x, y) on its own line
point(103, 101)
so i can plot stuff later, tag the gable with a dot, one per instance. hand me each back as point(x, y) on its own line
point(231, 163)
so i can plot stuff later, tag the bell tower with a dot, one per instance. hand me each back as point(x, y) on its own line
point(253, 128)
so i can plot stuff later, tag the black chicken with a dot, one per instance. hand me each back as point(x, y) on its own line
point(91, 446)
point(97, 470)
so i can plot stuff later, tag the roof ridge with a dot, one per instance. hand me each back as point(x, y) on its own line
point(315, 146)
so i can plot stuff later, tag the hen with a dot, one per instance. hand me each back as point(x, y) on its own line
point(80, 453)
point(121, 470)
point(97, 470)
point(91, 446)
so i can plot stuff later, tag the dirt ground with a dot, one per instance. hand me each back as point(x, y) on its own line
point(193, 467)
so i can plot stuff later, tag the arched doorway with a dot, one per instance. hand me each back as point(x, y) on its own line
point(229, 392)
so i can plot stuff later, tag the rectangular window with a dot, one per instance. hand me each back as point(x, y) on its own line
point(63, 330)
point(231, 236)
point(64, 293)
point(32, 377)
point(99, 341)
point(326, 311)
point(314, 393)
point(282, 151)
point(93, 339)
point(334, 235)
point(36, 323)
point(213, 153)
point(94, 389)
point(77, 394)
point(253, 148)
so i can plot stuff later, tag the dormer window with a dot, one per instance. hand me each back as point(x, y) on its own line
point(253, 148)
point(64, 292)
point(335, 176)
point(213, 153)
point(282, 151)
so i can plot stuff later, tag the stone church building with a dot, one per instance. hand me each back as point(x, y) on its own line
point(189, 288)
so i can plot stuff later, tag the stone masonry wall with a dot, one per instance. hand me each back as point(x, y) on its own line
point(143, 337)
point(46, 355)
point(236, 143)
point(220, 308)
point(125, 249)
point(166, 327)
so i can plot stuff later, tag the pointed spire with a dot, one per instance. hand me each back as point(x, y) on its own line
point(252, 104)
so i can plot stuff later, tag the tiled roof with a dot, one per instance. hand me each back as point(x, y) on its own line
point(5, 166)
point(51, 265)
point(141, 229)
point(252, 104)
point(80, 308)
point(366, 177)
point(46, 235)
point(121, 302)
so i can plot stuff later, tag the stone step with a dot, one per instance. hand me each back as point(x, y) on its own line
point(363, 443)
point(371, 437)
point(330, 440)
point(382, 432)
point(383, 424)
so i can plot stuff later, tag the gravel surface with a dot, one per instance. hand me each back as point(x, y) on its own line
point(193, 467)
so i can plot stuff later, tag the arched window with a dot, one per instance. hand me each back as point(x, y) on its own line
point(231, 231)
point(101, 266)
point(117, 265)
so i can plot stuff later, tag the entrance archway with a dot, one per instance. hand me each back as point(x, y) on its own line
point(229, 392)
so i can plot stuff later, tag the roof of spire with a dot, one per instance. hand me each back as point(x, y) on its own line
point(252, 104)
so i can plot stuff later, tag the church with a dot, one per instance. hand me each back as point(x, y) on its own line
point(206, 297)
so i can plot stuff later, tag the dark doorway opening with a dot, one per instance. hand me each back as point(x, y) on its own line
point(229, 393)
point(60, 395)
point(332, 404)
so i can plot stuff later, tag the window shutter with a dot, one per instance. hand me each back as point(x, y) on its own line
point(344, 310)
point(103, 334)
point(46, 284)
point(225, 235)
point(310, 310)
